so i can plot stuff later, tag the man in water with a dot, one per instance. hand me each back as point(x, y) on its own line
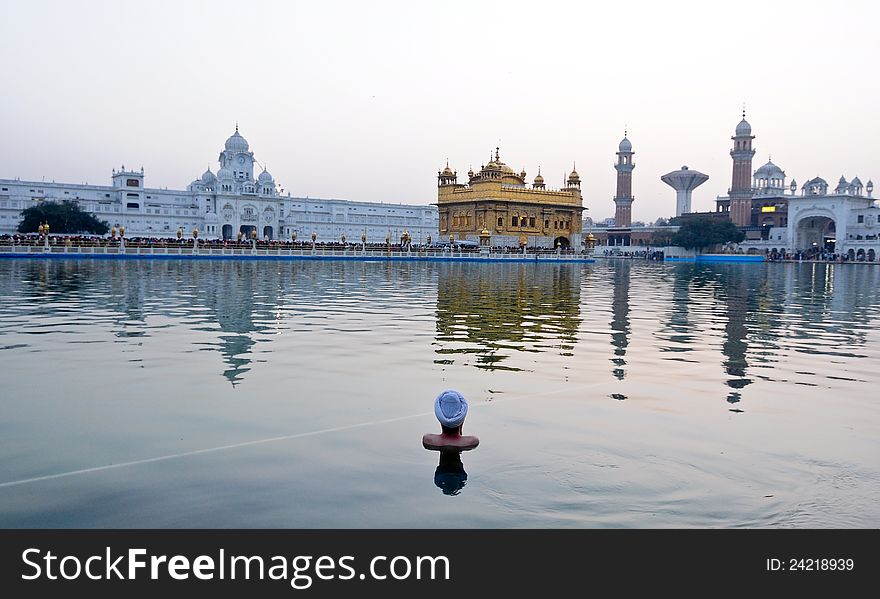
point(450, 407)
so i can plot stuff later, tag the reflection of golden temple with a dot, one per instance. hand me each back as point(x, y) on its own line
point(498, 198)
point(505, 308)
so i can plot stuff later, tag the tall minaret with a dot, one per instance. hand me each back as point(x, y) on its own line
point(623, 199)
point(741, 187)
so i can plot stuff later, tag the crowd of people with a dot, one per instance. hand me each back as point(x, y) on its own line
point(33, 239)
point(641, 254)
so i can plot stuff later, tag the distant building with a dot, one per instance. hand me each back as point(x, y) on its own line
point(498, 200)
point(222, 205)
point(775, 218)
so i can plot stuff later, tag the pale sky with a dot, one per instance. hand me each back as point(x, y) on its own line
point(367, 100)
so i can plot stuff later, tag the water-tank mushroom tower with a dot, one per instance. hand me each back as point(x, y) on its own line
point(684, 182)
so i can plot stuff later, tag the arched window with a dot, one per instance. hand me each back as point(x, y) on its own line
point(500, 221)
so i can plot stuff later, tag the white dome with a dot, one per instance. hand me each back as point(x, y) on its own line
point(224, 173)
point(208, 177)
point(743, 128)
point(265, 177)
point(625, 146)
point(770, 171)
point(236, 143)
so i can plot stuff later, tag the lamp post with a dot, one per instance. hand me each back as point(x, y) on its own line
point(254, 239)
point(485, 238)
point(195, 240)
point(44, 231)
point(238, 237)
point(364, 241)
point(314, 237)
point(122, 238)
point(179, 234)
point(388, 242)
point(113, 233)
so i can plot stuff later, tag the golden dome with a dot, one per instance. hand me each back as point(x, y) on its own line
point(574, 176)
point(484, 232)
point(447, 172)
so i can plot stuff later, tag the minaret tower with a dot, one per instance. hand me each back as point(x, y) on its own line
point(623, 199)
point(741, 186)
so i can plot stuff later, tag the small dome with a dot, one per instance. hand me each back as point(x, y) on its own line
point(743, 128)
point(770, 171)
point(856, 182)
point(208, 177)
point(625, 145)
point(574, 176)
point(539, 179)
point(471, 173)
point(870, 185)
point(522, 174)
point(816, 181)
point(265, 177)
point(447, 172)
point(224, 173)
point(236, 143)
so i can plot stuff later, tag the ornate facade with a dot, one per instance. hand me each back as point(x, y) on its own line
point(222, 205)
point(498, 200)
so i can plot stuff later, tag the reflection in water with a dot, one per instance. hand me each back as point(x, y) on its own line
point(498, 309)
point(113, 361)
point(620, 320)
point(450, 476)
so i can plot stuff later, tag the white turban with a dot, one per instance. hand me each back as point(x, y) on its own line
point(450, 407)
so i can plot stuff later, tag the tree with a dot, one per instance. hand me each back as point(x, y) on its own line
point(662, 238)
point(698, 233)
point(66, 217)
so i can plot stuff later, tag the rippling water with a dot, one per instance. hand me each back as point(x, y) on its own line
point(295, 394)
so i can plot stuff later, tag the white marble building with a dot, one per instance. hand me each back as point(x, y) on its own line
point(221, 205)
point(844, 221)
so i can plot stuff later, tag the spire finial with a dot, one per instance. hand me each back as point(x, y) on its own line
point(625, 128)
point(539, 169)
point(236, 126)
point(744, 111)
point(496, 153)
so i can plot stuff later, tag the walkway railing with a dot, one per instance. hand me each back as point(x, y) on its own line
point(246, 251)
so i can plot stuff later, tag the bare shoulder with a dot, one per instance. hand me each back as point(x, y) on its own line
point(440, 442)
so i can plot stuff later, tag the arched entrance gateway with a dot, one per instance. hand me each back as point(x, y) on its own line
point(227, 231)
point(267, 232)
point(561, 242)
point(816, 233)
